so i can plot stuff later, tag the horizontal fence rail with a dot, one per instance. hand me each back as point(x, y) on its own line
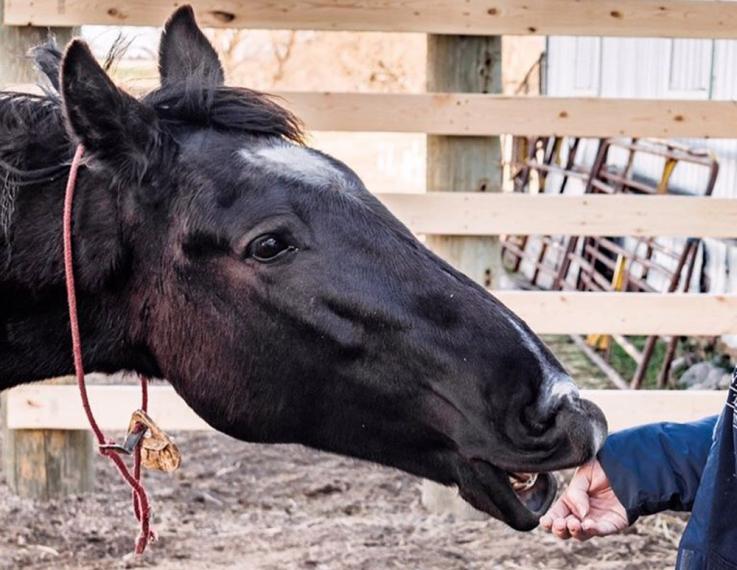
point(648, 18)
point(58, 407)
point(474, 213)
point(482, 114)
point(578, 312)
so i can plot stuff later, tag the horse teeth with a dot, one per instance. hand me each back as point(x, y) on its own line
point(522, 481)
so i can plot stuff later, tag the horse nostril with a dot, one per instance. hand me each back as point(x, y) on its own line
point(584, 425)
point(559, 402)
point(540, 417)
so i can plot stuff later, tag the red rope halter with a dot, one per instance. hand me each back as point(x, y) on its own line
point(141, 506)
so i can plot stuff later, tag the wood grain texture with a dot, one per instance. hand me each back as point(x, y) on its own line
point(476, 114)
point(15, 42)
point(647, 18)
point(629, 408)
point(482, 115)
point(469, 64)
point(38, 406)
point(47, 464)
point(624, 313)
point(468, 213)
point(58, 407)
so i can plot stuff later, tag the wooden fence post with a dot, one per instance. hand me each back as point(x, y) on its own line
point(46, 464)
point(470, 64)
point(39, 463)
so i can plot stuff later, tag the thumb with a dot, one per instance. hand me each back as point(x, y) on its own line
point(577, 494)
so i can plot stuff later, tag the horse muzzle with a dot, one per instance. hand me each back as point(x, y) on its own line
point(516, 485)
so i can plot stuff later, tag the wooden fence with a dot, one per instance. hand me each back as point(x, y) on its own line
point(42, 407)
point(646, 18)
point(474, 114)
point(474, 214)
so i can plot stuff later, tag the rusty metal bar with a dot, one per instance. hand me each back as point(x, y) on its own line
point(587, 263)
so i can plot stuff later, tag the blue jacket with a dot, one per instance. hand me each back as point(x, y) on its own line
point(686, 467)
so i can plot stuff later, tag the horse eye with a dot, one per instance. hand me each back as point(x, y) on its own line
point(268, 247)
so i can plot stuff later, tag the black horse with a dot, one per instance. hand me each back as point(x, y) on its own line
point(282, 301)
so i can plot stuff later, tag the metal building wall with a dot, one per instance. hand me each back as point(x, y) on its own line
point(660, 69)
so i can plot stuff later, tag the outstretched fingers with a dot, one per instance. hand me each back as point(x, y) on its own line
point(558, 511)
point(575, 528)
point(560, 522)
point(565, 516)
point(577, 493)
point(560, 528)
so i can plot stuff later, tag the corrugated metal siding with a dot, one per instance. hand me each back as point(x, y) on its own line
point(662, 69)
point(690, 64)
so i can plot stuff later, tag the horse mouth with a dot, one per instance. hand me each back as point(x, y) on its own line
point(517, 498)
point(533, 490)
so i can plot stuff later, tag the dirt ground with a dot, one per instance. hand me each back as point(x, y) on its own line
point(242, 506)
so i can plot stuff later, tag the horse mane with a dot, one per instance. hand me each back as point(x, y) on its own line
point(35, 147)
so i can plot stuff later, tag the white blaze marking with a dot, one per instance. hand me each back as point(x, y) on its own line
point(556, 385)
point(297, 162)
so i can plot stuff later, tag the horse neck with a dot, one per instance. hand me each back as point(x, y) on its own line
point(34, 320)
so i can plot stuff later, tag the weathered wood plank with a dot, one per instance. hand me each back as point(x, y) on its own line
point(14, 44)
point(648, 18)
point(58, 407)
point(45, 464)
point(70, 456)
point(628, 408)
point(467, 213)
point(38, 406)
point(475, 114)
point(471, 64)
point(624, 313)
point(28, 476)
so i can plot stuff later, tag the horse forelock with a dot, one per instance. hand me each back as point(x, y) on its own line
point(225, 109)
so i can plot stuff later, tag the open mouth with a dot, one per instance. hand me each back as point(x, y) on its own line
point(533, 490)
point(518, 498)
point(522, 482)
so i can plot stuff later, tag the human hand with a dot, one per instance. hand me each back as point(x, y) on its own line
point(587, 508)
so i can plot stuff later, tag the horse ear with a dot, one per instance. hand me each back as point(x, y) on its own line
point(186, 55)
point(47, 58)
point(114, 127)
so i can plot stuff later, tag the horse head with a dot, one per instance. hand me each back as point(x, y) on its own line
point(285, 303)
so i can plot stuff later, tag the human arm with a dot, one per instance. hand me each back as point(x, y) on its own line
point(639, 471)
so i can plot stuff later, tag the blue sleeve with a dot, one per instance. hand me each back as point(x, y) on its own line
point(657, 467)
